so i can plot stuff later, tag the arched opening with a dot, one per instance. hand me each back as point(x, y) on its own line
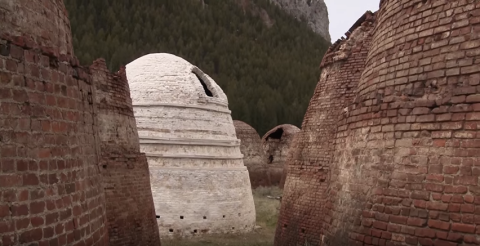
point(207, 91)
point(277, 134)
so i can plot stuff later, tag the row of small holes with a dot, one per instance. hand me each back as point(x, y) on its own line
point(195, 231)
point(204, 217)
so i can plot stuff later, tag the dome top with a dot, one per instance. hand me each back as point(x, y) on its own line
point(244, 128)
point(167, 79)
point(281, 131)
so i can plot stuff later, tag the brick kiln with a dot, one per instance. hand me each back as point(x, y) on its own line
point(276, 145)
point(199, 182)
point(401, 166)
point(58, 148)
point(253, 155)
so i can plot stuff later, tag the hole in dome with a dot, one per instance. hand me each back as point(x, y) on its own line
point(170, 230)
point(181, 217)
point(158, 216)
point(276, 135)
point(195, 231)
point(204, 217)
point(204, 85)
point(224, 216)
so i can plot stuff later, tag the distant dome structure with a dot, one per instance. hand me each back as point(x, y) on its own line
point(276, 144)
point(253, 155)
point(199, 182)
point(251, 144)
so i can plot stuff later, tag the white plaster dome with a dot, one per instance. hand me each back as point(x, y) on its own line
point(163, 78)
point(199, 181)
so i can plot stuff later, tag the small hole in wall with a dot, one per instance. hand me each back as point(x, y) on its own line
point(233, 228)
point(239, 214)
point(224, 216)
point(158, 216)
point(104, 166)
point(195, 231)
point(170, 230)
point(303, 230)
point(270, 159)
point(204, 217)
point(284, 225)
point(181, 217)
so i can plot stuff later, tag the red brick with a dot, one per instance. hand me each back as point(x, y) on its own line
point(463, 228)
point(33, 235)
point(37, 207)
point(437, 224)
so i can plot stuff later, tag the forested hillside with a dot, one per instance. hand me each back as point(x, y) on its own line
point(268, 71)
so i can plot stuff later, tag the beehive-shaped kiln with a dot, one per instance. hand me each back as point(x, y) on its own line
point(253, 155)
point(251, 144)
point(50, 186)
point(68, 151)
point(199, 182)
point(404, 169)
point(276, 143)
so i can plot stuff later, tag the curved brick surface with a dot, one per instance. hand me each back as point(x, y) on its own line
point(57, 122)
point(404, 170)
point(250, 145)
point(276, 145)
point(37, 24)
point(125, 174)
point(50, 184)
point(199, 182)
point(306, 197)
point(253, 155)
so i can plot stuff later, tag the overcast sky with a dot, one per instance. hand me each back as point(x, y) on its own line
point(344, 13)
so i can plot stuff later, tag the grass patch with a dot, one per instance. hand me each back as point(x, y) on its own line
point(267, 215)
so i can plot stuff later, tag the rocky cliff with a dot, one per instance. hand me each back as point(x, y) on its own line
point(314, 12)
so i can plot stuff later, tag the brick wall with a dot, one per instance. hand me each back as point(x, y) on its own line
point(51, 189)
point(50, 185)
point(125, 174)
point(407, 152)
point(305, 203)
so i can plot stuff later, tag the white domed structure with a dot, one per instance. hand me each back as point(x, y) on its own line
point(199, 182)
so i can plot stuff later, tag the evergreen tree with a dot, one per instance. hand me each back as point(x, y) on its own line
point(268, 73)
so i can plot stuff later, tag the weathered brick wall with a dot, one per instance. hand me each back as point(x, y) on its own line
point(126, 178)
point(305, 203)
point(276, 146)
point(253, 155)
point(50, 184)
point(56, 122)
point(412, 134)
point(407, 152)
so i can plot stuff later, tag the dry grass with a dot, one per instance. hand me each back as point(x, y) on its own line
point(267, 216)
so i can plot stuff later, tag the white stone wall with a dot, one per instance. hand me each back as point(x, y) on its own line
point(199, 181)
